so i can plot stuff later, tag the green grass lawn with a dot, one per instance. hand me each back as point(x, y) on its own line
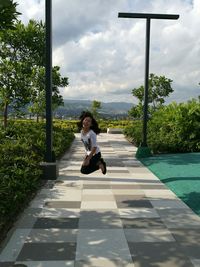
point(181, 173)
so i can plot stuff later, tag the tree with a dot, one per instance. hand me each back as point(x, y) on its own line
point(159, 89)
point(22, 71)
point(38, 98)
point(95, 106)
point(15, 71)
point(8, 14)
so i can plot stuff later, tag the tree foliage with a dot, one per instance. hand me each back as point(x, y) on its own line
point(15, 70)
point(22, 69)
point(95, 107)
point(37, 106)
point(159, 89)
point(8, 14)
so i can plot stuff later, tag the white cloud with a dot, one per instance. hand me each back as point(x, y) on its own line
point(104, 55)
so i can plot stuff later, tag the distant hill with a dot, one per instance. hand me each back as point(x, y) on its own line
point(73, 108)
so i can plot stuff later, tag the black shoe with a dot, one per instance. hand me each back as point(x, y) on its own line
point(104, 164)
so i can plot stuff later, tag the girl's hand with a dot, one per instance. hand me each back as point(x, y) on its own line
point(86, 162)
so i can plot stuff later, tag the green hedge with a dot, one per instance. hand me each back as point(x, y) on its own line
point(103, 124)
point(22, 148)
point(173, 128)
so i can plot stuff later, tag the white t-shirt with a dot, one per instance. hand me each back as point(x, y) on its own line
point(89, 140)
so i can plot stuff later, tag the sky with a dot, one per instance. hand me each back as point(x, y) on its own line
point(104, 56)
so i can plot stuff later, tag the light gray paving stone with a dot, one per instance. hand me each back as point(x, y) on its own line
point(138, 213)
point(159, 194)
point(28, 218)
point(195, 262)
point(52, 235)
point(47, 263)
point(98, 198)
point(179, 218)
point(191, 236)
point(60, 212)
point(148, 235)
point(66, 195)
point(123, 192)
point(100, 219)
point(149, 223)
point(168, 204)
point(104, 263)
point(97, 192)
point(35, 203)
point(90, 205)
point(102, 244)
point(14, 245)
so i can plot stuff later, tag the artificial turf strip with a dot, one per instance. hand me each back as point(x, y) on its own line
point(181, 173)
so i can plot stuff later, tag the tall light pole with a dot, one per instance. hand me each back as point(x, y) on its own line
point(48, 80)
point(50, 168)
point(143, 150)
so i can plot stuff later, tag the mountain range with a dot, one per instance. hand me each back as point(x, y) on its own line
point(73, 108)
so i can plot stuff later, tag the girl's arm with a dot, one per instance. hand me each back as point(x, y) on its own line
point(93, 150)
point(88, 158)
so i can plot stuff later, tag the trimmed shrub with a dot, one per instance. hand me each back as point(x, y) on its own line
point(22, 148)
point(173, 128)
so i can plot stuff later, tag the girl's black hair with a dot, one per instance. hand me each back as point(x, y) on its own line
point(94, 126)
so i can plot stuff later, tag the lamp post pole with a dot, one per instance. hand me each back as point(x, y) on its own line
point(48, 74)
point(143, 150)
point(146, 84)
point(49, 168)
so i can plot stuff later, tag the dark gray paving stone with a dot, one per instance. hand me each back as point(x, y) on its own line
point(124, 156)
point(95, 179)
point(143, 223)
point(96, 186)
point(6, 264)
point(166, 254)
point(191, 236)
point(48, 184)
point(125, 186)
point(121, 198)
point(100, 220)
point(67, 223)
point(191, 250)
point(114, 163)
point(63, 204)
point(47, 252)
point(134, 204)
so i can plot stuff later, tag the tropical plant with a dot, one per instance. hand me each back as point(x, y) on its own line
point(159, 89)
point(8, 14)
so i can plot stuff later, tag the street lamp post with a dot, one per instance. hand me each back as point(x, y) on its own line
point(143, 150)
point(50, 168)
point(48, 80)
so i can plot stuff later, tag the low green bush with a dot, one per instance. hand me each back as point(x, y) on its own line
point(173, 128)
point(22, 148)
point(104, 124)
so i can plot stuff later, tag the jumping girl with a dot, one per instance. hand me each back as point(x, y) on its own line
point(89, 130)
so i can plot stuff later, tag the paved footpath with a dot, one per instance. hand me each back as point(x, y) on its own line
point(126, 218)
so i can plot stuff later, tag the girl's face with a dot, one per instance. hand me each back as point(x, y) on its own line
point(87, 123)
